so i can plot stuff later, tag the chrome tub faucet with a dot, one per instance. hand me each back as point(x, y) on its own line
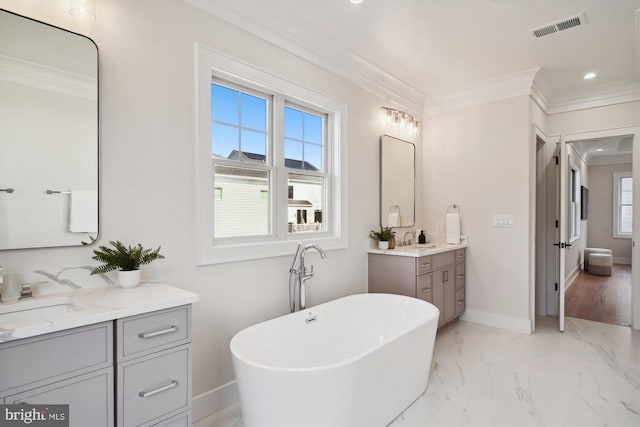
point(301, 275)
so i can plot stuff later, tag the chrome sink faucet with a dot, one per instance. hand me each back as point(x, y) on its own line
point(301, 274)
point(408, 242)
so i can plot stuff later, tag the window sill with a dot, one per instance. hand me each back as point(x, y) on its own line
point(238, 252)
point(623, 236)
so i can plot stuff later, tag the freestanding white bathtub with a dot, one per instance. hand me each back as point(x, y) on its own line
point(356, 361)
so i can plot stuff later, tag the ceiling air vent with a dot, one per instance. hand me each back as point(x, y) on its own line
point(565, 24)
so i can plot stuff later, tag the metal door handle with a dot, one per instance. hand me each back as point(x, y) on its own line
point(160, 389)
point(425, 290)
point(169, 330)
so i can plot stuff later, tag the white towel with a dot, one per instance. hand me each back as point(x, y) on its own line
point(393, 219)
point(83, 215)
point(453, 228)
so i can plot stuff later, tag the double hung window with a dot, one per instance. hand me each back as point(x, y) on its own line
point(270, 163)
point(622, 204)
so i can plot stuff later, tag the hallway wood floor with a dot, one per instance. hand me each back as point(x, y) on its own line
point(601, 298)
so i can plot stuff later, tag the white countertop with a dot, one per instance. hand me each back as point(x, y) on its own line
point(419, 250)
point(92, 305)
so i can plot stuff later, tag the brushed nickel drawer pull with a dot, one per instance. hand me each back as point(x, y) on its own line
point(460, 276)
point(160, 389)
point(169, 330)
point(428, 264)
point(460, 302)
point(460, 255)
point(425, 290)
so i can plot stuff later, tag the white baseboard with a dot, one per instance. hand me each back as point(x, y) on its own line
point(571, 277)
point(497, 321)
point(621, 260)
point(214, 400)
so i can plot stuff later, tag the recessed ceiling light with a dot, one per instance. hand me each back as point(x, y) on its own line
point(599, 149)
point(356, 1)
point(590, 76)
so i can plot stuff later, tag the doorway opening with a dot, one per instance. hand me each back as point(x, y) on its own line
point(572, 198)
point(600, 195)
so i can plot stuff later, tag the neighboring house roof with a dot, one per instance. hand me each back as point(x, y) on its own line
point(253, 157)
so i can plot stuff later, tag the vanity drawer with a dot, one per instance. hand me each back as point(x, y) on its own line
point(182, 420)
point(41, 360)
point(460, 301)
point(423, 265)
point(460, 255)
point(460, 276)
point(139, 335)
point(442, 259)
point(89, 396)
point(154, 386)
point(423, 290)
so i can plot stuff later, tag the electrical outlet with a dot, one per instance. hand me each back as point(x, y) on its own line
point(439, 227)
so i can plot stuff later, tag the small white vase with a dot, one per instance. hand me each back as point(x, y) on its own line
point(128, 279)
point(383, 245)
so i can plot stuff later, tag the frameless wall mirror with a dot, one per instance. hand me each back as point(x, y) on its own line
point(48, 135)
point(397, 182)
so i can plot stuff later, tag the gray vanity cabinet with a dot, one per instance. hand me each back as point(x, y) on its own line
point(438, 279)
point(72, 367)
point(151, 371)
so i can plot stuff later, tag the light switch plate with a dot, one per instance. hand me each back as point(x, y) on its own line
point(504, 220)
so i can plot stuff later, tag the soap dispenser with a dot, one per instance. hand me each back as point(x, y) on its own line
point(422, 239)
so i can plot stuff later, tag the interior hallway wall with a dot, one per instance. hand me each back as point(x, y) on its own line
point(148, 193)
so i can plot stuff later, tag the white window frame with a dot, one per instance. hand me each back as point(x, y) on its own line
point(213, 65)
point(574, 206)
point(616, 205)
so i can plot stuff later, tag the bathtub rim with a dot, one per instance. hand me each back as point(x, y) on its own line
point(341, 363)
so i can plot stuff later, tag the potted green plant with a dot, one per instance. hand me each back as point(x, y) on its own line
point(126, 259)
point(384, 236)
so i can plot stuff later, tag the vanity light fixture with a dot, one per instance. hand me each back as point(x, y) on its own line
point(399, 120)
point(356, 1)
point(83, 10)
point(590, 75)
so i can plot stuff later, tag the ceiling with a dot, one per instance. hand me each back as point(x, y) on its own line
point(435, 48)
point(611, 150)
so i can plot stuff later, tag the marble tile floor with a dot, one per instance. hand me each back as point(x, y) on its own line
point(481, 376)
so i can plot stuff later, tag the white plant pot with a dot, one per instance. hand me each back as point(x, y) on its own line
point(128, 279)
point(383, 245)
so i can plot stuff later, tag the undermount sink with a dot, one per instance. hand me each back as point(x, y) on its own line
point(35, 309)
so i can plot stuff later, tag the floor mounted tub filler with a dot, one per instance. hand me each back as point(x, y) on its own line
point(355, 361)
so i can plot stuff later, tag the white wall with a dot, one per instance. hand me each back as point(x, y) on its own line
point(148, 190)
point(601, 212)
point(479, 157)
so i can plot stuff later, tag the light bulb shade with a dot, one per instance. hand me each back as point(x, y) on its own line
point(84, 10)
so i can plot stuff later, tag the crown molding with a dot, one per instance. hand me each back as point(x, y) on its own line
point(52, 79)
point(609, 94)
point(510, 86)
point(338, 60)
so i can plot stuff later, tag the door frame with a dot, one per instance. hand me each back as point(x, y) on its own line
point(635, 254)
point(551, 215)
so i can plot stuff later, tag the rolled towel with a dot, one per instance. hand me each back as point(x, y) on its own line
point(453, 228)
